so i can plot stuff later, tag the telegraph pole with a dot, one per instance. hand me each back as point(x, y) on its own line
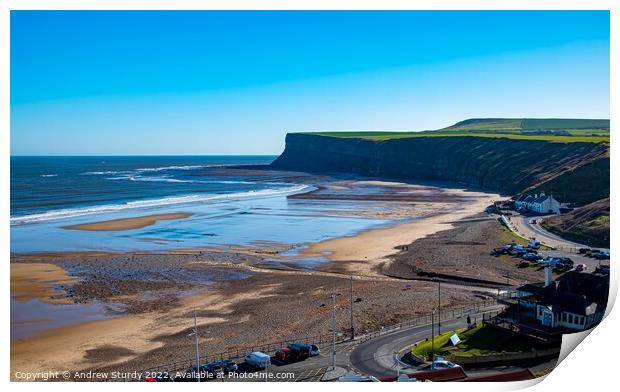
point(439, 314)
point(433, 340)
point(197, 347)
point(352, 327)
point(334, 331)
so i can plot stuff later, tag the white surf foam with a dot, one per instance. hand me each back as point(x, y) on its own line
point(74, 212)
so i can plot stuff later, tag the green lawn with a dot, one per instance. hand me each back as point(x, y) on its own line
point(478, 341)
point(506, 237)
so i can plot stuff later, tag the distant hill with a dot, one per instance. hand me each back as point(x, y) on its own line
point(524, 124)
point(554, 129)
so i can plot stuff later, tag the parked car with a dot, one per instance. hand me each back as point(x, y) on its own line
point(300, 351)
point(531, 257)
point(443, 364)
point(284, 354)
point(258, 360)
point(533, 244)
point(228, 365)
point(581, 267)
point(602, 269)
point(601, 256)
point(163, 377)
point(212, 369)
point(204, 372)
point(565, 262)
point(583, 251)
point(314, 350)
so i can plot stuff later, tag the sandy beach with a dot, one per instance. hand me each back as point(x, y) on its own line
point(373, 246)
point(127, 223)
point(37, 280)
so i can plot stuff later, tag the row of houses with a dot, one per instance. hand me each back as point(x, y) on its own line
point(539, 203)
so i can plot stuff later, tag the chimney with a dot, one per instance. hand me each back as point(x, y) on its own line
point(548, 275)
point(542, 194)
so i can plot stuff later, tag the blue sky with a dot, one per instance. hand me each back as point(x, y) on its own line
point(235, 82)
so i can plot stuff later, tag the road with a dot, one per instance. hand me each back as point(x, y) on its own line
point(525, 228)
point(378, 357)
point(564, 248)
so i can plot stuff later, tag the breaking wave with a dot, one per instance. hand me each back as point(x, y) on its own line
point(74, 212)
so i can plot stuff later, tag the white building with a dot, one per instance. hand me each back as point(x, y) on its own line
point(577, 301)
point(542, 204)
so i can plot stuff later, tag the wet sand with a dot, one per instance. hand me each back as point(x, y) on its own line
point(37, 281)
point(127, 223)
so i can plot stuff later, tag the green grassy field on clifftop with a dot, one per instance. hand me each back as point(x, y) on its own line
point(552, 130)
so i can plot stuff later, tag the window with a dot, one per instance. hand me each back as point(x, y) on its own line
point(570, 318)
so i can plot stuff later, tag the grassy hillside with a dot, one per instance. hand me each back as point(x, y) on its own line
point(552, 130)
point(579, 185)
point(587, 225)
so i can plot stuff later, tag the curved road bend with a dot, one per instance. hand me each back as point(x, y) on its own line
point(377, 357)
point(527, 229)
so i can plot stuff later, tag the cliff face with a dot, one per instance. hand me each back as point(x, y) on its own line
point(502, 164)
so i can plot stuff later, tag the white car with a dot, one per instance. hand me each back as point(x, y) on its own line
point(258, 360)
point(443, 364)
point(314, 350)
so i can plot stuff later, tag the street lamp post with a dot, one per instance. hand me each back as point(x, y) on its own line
point(439, 306)
point(351, 295)
point(197, 348)
point(433, 340)
point(334, 331)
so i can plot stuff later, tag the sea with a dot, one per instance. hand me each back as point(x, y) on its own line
point(230, 204)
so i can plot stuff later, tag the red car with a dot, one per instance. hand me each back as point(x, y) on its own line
point(284, 354)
